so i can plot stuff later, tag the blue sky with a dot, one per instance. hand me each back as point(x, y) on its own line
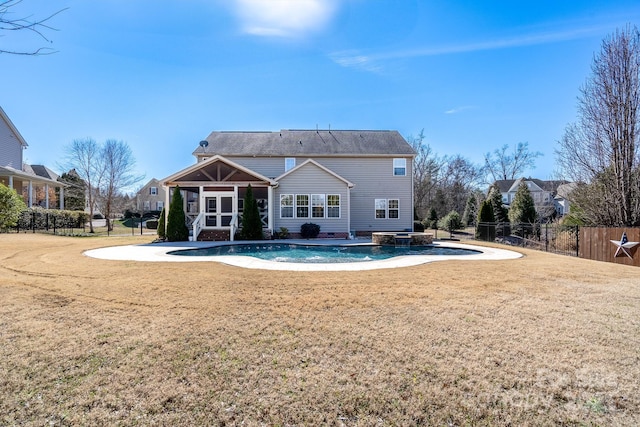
point(162, 74)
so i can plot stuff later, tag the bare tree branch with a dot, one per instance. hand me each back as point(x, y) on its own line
point(502, 165)
point(10, 22)
point(601, 150)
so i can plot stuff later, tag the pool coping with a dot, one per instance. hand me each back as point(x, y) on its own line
point(158, 252)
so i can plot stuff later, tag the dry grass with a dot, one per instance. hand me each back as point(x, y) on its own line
point(543, 340)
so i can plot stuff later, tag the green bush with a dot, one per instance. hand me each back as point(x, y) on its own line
point(41, 219)
point(251, 222)
point(162, 232)
point(451, 222)
point(283, 233)
point(10, 207)
point(309, 230)
point(177, 230)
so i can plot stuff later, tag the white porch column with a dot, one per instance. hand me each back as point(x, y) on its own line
point(270, 203)
point(167, 192)
point(234, 209)
point(349, 212)
point(11, 181)
point(46, 196)
point(61, 198)
point(30, 194)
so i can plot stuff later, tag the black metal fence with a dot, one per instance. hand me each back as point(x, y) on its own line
point(556, 238)
point(51, 220)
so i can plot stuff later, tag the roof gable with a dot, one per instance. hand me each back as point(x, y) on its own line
point(319, 166)
point(12, 128)
point(292, 143)
point(216, 169)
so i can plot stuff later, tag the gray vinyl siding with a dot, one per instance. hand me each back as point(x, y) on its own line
point(309, 180)
point(10, 148)
point(271, 167)
point(373, 178)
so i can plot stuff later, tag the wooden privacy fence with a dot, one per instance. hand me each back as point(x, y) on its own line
point(595, 243)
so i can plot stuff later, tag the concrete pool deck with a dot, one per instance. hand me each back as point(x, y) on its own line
point(158, 252)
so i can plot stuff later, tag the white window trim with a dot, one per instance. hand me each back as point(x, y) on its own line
point(292, 206)
point(339, 206)
point(376, 209)
point(324, 206)
point(308, 206)
point(403, 166)
point(289, 163)
point(387, 209)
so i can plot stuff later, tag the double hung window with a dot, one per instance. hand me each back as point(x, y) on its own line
point(387, 208)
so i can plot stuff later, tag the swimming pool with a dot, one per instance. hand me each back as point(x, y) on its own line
point(321, 254)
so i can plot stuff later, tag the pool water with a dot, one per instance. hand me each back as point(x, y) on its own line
point(319, 254)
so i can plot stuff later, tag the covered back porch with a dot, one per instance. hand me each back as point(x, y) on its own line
point(35, 190)
point(213, 194)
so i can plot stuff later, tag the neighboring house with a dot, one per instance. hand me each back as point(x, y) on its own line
point(348, 182)
point(36, 183)
point(543, 193)
point(563, 196)
point(151, 197)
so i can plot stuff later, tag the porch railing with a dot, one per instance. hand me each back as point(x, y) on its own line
point(233, 225)
point(196, 227)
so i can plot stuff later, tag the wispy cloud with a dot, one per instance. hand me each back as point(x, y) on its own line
point(372, 61)
point(460, 109)
point(283, 18)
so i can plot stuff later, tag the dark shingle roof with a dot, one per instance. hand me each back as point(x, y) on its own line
point(44, 172)
point(306, 143)
point(504, 184)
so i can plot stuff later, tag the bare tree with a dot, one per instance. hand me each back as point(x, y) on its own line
point(601, 150)
point(118, 166)
point(460, 178)
point(426, 170)
point(84, 155)
point(503, 164)
point(10, 22)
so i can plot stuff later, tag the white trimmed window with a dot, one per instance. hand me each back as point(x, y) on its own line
point(317, 205)
point(333, 206)
point(153, 191)
point(159, 205)
point(146, 205)
point(302, 206)
point(387, 208)
point(289, 163)
point(381, 208)
point(394, 208)
point(399, 167)
point(286, 206)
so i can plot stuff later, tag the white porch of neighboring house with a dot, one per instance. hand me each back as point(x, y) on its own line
point(25, 182)
point(213, 196)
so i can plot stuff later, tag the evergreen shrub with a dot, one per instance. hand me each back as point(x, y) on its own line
point(309, 230)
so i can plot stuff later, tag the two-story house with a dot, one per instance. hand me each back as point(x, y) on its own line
point(348, 182)
point(36, 183)
point(151, 197)
point(544, 194)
